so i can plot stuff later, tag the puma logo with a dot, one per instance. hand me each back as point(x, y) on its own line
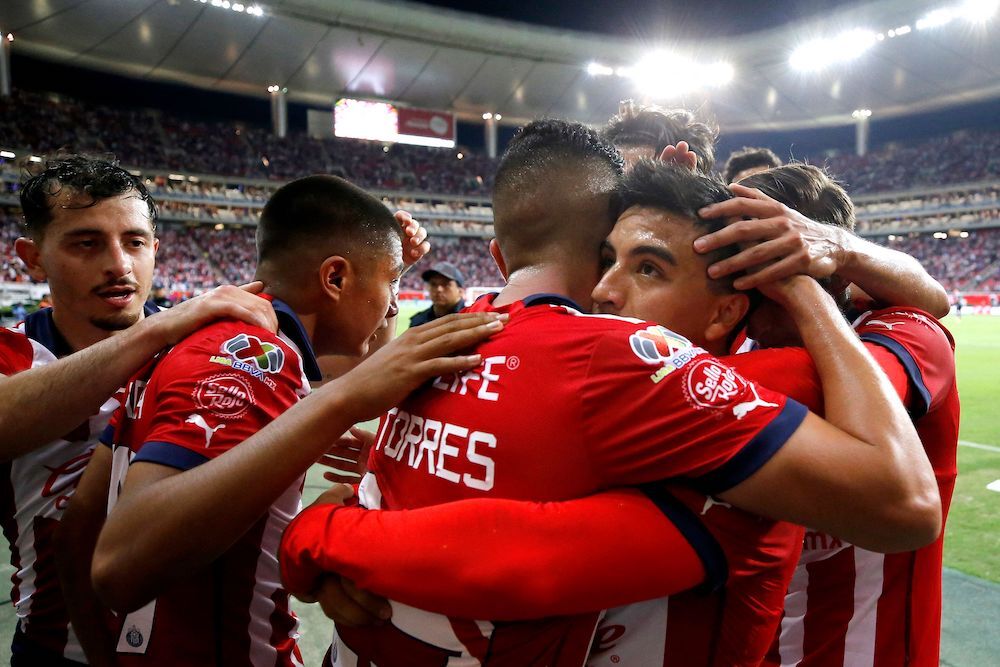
point(199, 421)
point(887, 325)
point(741, 410)
point(709, 501)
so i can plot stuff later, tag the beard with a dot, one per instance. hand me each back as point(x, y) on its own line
point(116, 322)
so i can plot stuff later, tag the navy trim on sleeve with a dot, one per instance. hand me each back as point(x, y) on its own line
point(169, 454)
point(912, 370)
point(698, 536)
point(755, 453)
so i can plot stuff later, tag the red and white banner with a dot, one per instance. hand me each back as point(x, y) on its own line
point(427, 128)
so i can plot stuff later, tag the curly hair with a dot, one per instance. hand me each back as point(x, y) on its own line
point(90, 180)
point(637, 125)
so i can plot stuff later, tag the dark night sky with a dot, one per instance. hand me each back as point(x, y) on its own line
point(650, 19)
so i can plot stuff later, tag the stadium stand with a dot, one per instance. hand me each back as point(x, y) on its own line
point(212, 178)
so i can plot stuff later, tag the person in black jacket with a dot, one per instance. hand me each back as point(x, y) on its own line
point(444, 284)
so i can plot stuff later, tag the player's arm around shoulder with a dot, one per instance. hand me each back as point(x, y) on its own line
point(208, 395)
point(863, 474)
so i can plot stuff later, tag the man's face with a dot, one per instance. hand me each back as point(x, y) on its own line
point(445, 292)
point(98, 261)
point(370, 300)
point(651, 272)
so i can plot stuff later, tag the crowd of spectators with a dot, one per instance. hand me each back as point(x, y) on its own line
point(962, 157)
point(228, 170)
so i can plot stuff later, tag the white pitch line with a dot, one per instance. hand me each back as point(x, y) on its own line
point(976, 445)
point(994, 486)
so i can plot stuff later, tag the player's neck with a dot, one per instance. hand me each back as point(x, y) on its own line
point(547, 279)
point(78, 334)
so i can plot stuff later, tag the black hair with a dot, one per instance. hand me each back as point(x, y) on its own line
point(553, 192)
point(654, 126)
point(319, 212)
point(538, 143)
point(808, 189)
point(90, 180)
point(678, 190)
point(749, 157)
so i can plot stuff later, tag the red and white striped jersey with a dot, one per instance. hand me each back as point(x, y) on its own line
point(853, 608)
point(192, 404)
point(36, 488)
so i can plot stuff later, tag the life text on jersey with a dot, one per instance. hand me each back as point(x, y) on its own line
point(442, 448)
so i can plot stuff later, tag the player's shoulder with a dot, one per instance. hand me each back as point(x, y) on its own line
point(902, 322)
point(16, 350)
point(232, 344)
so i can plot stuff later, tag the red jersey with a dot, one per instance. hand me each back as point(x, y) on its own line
point(563, 405)
point(848, 606)
point(35, 489)
point(194, 403)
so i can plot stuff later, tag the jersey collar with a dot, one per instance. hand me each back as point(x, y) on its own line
point(551, 300)
point(39, 326)
point(291, 326)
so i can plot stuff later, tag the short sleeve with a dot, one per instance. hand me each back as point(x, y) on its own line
point(923, 347)
point(204, 404)
point(655, 407)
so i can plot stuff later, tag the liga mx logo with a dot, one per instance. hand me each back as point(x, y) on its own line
point(656, 345)
point(267, 357)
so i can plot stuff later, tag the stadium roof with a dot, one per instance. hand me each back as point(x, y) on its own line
point(435, 58)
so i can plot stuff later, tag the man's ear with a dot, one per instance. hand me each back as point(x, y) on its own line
point(335, 275)
point(27, 250)
point(729, 311)
point(498, 258)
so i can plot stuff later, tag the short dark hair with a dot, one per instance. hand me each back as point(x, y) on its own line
point(552, 173)
point(676, 189)
point(654, 126)
point(808, 189)
point(325, 213)
point(90, 180)
point(749, 157)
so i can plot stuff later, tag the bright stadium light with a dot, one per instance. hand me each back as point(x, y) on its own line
point(821, 53)
point(662, 74)
point(273, 88)
point(861, 113)
point(597, 69)
point(935, 19)
point(487, 116)
point(497, 116)
point(34, 158)
point(964, 235)
point(978, 11)
point(7, 154)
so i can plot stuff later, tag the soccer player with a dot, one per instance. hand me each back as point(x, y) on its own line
point(89, 232)
point(639, 131)
point(444, 284)
point(562, 563)
point(747, 161)
point(330, 255)
point(461, 438)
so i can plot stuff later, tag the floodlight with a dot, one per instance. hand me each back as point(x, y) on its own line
point(820, 53)
point(935, 19)
point(597, 69)
point(861, 113)
point(663, 74)
point(8, 155)
point(487, 116)
point(978, 10)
